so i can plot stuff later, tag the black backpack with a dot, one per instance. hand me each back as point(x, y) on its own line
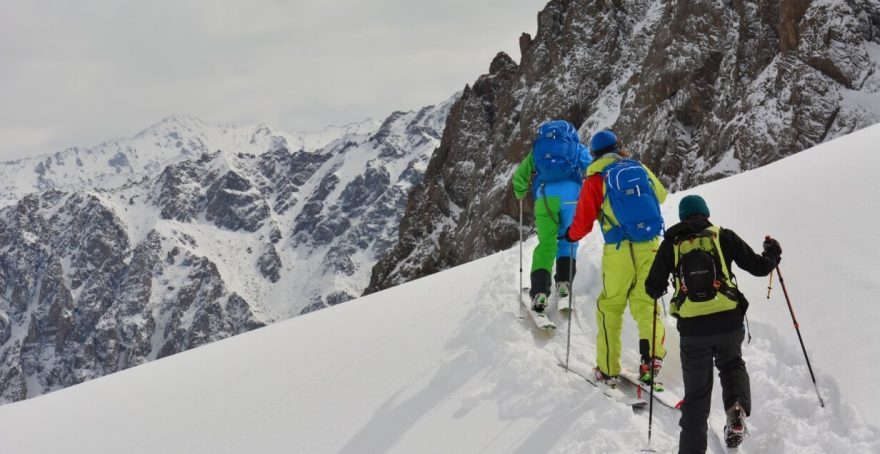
point(698, 267)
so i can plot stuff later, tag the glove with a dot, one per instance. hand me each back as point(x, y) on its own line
point(654, 293)
point(772, 249)
point(565, 236)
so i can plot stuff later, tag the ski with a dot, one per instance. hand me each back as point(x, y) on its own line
point(562, 304)
point(661, 394)
point(586, 372)
point(540, 319)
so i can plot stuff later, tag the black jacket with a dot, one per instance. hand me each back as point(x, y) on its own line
point(733, 248)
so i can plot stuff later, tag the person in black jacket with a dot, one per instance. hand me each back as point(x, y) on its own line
point(710, 312)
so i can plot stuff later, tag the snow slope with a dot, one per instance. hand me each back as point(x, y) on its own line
point(442, 364)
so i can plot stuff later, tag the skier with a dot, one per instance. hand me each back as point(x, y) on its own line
point(557, 161)
point(710, 311)
point(630, 220)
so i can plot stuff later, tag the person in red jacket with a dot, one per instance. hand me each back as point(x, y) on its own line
point(629, 250)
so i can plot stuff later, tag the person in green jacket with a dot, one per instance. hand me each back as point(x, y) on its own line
point(554, 170)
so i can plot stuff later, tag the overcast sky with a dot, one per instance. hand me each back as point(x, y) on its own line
point(77, 73)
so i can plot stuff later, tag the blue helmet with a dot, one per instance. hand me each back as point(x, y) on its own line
point(604, 141)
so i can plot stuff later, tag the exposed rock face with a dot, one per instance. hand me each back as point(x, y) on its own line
point(83, 302)
point(179, 193)
point(698, 90)
point(213, 244)
point(232, 203)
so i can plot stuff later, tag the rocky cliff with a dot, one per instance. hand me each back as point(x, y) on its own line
point(697, 89)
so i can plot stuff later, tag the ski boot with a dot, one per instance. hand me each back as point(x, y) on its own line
point(610, 380)
point(563, 289)
point(735, 431)
point(650, 370)
point(539, 302)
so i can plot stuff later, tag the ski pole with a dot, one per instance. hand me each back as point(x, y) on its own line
point(520, 289)
point(770, 285)
point(570, 303)
point(651, 365)
point(800, 338)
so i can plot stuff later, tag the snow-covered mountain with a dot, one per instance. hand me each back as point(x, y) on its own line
point(442, 364)
point(214, 231)
point(697, 89)
point(174, 139)
point(188, 232)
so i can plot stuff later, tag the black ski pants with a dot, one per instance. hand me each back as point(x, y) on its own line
point(697, 355)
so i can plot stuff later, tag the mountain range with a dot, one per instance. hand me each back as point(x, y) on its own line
point(187, 233)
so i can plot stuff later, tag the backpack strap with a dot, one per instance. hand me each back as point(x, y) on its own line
point(679, 296)
point(716, 241)
point(730, 287)
point(603, 217)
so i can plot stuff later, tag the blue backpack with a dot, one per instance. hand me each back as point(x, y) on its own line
point(555, 152)
point(630, 192)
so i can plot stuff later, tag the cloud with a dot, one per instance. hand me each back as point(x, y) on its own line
point(79, 73)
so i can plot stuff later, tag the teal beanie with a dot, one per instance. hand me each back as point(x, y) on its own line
point(692, 204)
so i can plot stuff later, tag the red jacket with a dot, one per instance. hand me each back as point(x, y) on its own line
point(589, 203)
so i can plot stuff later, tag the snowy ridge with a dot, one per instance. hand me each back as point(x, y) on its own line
point(174, 139)
point(402, 369)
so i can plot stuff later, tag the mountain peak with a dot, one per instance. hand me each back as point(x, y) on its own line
point(174, 123)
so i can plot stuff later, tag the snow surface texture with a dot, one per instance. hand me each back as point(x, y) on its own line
point(443, 364)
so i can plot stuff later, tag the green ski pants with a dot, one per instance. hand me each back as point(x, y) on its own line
point(624, 270)
point(552, 217)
